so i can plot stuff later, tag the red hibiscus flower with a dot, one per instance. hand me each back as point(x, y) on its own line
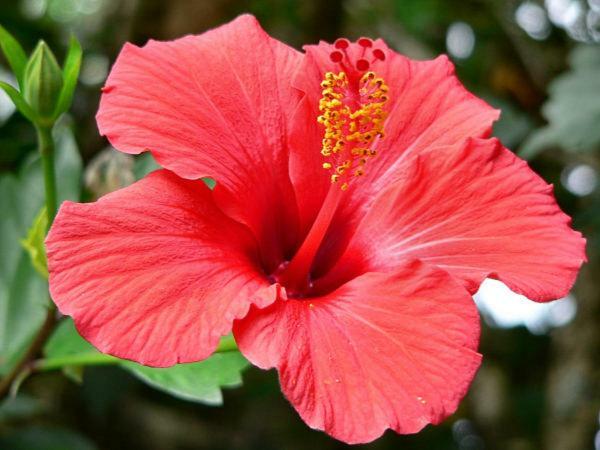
point(358, 207)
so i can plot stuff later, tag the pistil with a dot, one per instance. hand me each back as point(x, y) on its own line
point(352, 113)
point(296, 275)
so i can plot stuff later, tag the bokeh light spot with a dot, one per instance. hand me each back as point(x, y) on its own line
point(94, 69)
point(460, 40)
point(7, 108)
point(532, 18)
point(580, 179)
point(33, 9)
point(63, 11)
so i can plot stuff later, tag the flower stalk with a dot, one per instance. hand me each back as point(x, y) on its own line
point(46, 147)
point(46, 92)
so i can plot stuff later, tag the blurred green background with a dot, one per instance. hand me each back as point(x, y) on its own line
point(539, 61)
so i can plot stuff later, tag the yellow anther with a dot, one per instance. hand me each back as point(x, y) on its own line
point(352, 117)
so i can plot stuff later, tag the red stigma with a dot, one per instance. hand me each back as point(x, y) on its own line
point(379, 54)
point(341, 43)
point(336, 56)
point(365, 42)
point(356, 57)
point(362, 64)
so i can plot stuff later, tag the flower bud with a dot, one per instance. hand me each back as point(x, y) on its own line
point(43, 81)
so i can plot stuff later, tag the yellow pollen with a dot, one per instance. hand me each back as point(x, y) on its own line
point(352, 122)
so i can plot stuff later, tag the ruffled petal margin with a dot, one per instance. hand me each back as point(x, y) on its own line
point(155, 272)
point(386, 350)
point(209, 105)
point(477, 211)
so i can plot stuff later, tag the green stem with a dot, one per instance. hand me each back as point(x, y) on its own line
point(46, 147)
point(93, 358)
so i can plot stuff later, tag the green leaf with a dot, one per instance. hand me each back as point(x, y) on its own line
point(199, 382)
point(23, 301)
point(34, 243)
point(15, 55)
point(70, 76)
point(19, 102)
point(23, 293)
point(573, 108)
point(65, 341)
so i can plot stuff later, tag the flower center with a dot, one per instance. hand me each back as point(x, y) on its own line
point(353, 115)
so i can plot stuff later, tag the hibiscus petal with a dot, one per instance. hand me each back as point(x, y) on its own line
point(215, 105)
point(428, 107)
point(477, 211)
point(393, 350)
point(154, 272)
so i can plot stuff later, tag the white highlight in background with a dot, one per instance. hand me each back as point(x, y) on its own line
point(460, 40)
point(579, 179)
point(532, 18)
point(503, 308)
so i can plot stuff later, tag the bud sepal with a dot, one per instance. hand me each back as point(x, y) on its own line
point(43, 83)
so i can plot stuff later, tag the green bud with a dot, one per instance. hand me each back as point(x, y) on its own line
point(43, 81)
